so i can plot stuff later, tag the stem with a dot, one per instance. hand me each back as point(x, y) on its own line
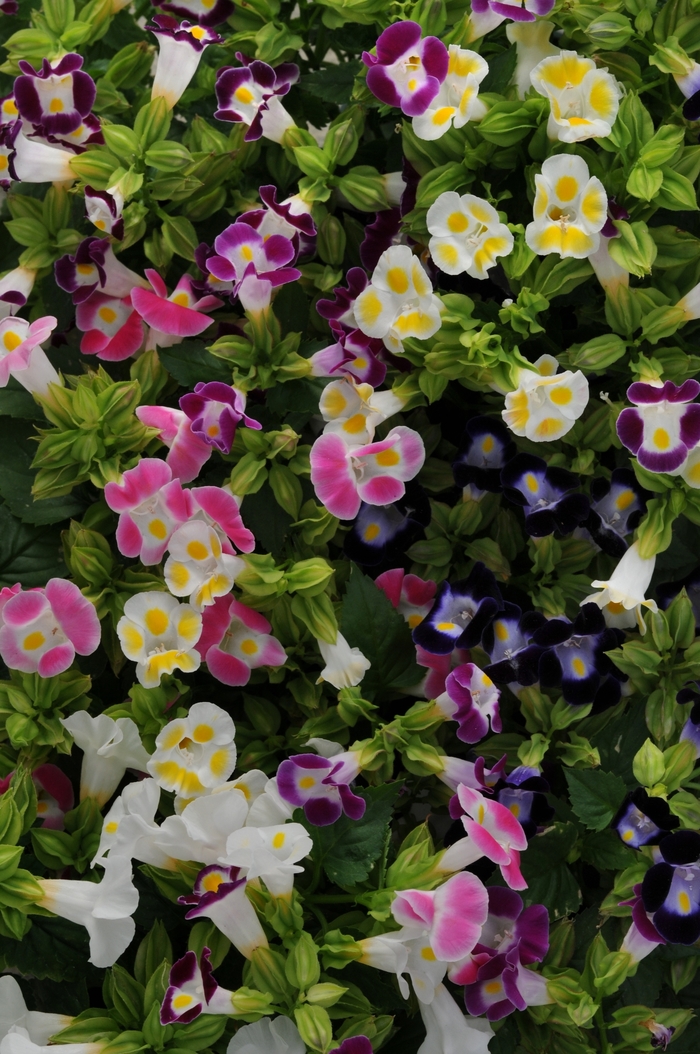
point(605, 1047)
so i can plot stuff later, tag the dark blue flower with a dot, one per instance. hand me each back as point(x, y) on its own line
point(486, 447)
point(545, 494)
point(643, 820)
point(382, 529)
point(524, 793)
point(616, 509)
point(460, 614)
point(508, 642)
point(574, 657)
point(671, 888)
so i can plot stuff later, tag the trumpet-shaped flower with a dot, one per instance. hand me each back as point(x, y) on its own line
point(182, 314)
point(531, 41)
point(111, 328)
point(451, 916)
point(181, 46)
point(218, 508)
point(219, 894)
point(471, 699)
point(104, 210)
point(671, 888)
point(95, 267)
point(583, 98)
point(643, 820)
point(664, 426)
point(42, 629)
point(488, 14)
point(353, 411)
point(215, 409)
point(255, 264)
point(192, 991)
point(198, 566)
point(56, 99)
point(467, 234)
point(14, 1014)
point(492, 831)
point(545, 408)
point(545, 494)
point(151, 506)
point(407, 70)
point(21, 354)
point(460, 613)
point(399, 301)
point(31, 161)
point(321, 786)
point(290, 218)
point(503, 985)
point(109, 748)
point(353, 355)
point(345, 666)
point(250, 94)
point(574, 657)
point(235, 640)
point(570, 209)
point(205, 12)
point(487, 446)
point(617, 506)
point(15, 287)
point(622, 596)
point(379, 531)
point(410, 595)
point(159, 635)
point(187, 453)
point(344, 477)
point(195, 753)
point(129, 830)
point(448, 1031)
point(201, 829)
point(509, 926)
point(277, 1036)
point(54, 796)
point(270, 853)
point(457, 101)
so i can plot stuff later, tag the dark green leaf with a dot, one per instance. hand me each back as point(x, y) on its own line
point(348, 849)
point(30, 555)
point(605, 851)
point(618, 742)
point(292, 308)
point(501, 70)
point(301, 396)
point(550, 882)
point(333, 84)
point(53, 948)
point(15, 401)
point(16, 478)
point(190, 362)
point(266, 518)
point(595, 796)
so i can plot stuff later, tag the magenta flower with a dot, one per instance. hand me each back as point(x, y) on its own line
point(180, 49)
point(354, 1045)
point(112, 329)
point(187, 453)
point(321, 786)
point(509, 925)
point(15, 288)
point(250, 93)
point(412, 596)
point(57, 99)
point(9, 7)
point(181, 314)
point(215, 408)
point(487, 14)
point(54, 796)
point(205, 12)
point(88, 133)
point(344, 477)
point(492, 831)
point(407, 71)
point(218, 507)
point(192, 990)
point(21, 354)
point(503, 985)
point(94, 267)
point(254, 264)
point(471, 699)
point(663, 429)
point(451, 916)
point(235, 640)
point(341, 308)
point(291, 218)
point(42, 629)
point(104, 210)
point(353, 355)
point(151, 506)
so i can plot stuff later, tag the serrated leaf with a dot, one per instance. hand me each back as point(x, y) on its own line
point(595, 796)
point(605, 851)
point(333, 84)
point(28, 554)
point(190, 362)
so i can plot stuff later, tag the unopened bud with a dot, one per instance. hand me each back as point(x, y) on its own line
point(314, 1027)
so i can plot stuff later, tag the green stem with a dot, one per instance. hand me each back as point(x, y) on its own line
point(602, 1031)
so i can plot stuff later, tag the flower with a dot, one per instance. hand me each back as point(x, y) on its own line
point(341, 308)
point(54, 796)
point(406, 71)
point(129, 831)
point(43, 629)
point(532, 44)
point(524, 793)
point(151, 506)
point(343, 477)
point(345, 666)
point(104, 209)
point(399, 301)
point(410, 595)
point(14, 1014)
point(235, 640)
point(215, 409)
point(492, 831)
point(544, 493)
point(219, 894)
point(195, 753)
point(353, 355)
point(488, 14)
point(583, 98)
point(448, 1031)
point(570, 208)
point(321, 786)
point(57, 98)
point(15, 288)
point(31, 161)
point(250, 93)
point(198, 566)
point(617, 506)
point(459, 613)
point(159, 635)
point(353, 411)
point(450, 917)
point(206, 12)
point(574, 657)
point(109, 748)
point(180, 48)
point(467, 234)
point(457, 101)
point(94, 267)
point(270, 853)
point(509, 926)
point(112, 329)
point(470, 699)
point(354, 1045)
point(622, 596)
point(508, 642)
point(254, 263)
point(671, 888)
point(691, 729)
point(643, 820)
point(277, 1036)
point(664, 427)
point(545, 408)
point(21, 354)
point(192, 991)
point(379, 530)
point(486, 448)
point(182, 314)
point(187, 453)
point(204, 823)
point(503, 985)
point(217, 507)
point(290, 218)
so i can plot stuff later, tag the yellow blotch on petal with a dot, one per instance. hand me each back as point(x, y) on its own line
point(661, 439)
point(182, 1000)
point(603, 98)
point(443, 115)
point(457, 222)
point(247, 253)
point(197, 32)
point(628, 836)
point(445, 627)
point(518, 411)
point(397, 280)
point(85, 269)
point(333, 402)
point(218, 763)
point(531, 483)
point(278, 840)
point(203, 733)
point(515, 809)
point(614, 608)
point(212, 881)
point(197, 550)
point(157, 621)
point(624, 500)
point(387, 458)
point(579, 667)
point(549, 428)
point(487, 444)
point(684, 902)
point(414, 620)
point(428, 954)
point(594, 206)
point(189, 626)
point(132, 639)
point(561, 396)
point(566, 188)
point(11, 340)
point(181, 299)
point(179, 575)
point(354, 424)
point(111, 827)
point(307, 782)
point(56, 105)
point(568, 70)
point(492, 987)
point(10, 107)
point(371, 531)
point(693, 475)
point(106, 313)
point(249, 647)
point(243, 95)
point(501, 630)
point(447, 255)
point(33, 641)
point(158, 529)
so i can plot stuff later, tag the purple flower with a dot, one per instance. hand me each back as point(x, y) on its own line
point(291, 218)
point(671, 888)
point(321, 786)
point(94, 266)
point(341, 308)
point(353, 355)
point(104, 210)
point(471, 699)
point(487, 14)
point(219, 895)
point(379, 530)
point(253, 263)
point(545, 495)
point(9, 7)
point(574, 657)
point(406, 71)
point(205, 12)
point(523, 792)
point(509, 925)
point(616, 509)
point(487, 446)
point(215, 409)
point(503, 985)
point(663, 428)
point(460, 613)
point(250, 93)
point(57, 99)
point(354, 1045)
point(508, 642)
point(192, 991)
point(180, 49)
point(385, 231)
point(661, 1035)
point(88, 133)
point(643, 820)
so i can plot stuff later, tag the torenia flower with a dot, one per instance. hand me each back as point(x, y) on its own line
point(215, 409)
point(182, 314)
point(353, 355)
point(545, 408)
point(486, 447)
point(219, 894)
point(460, 613)
point(406, 71)
point(129, 829)
point(94, 266)
point(206, 12)
point(448, 1031)
point(353, 411)
point(671, 888)
point(235, 640)
point(470, 699)
point(198, 566)
point(14, 1014)
point(111, 328)
point(451, 916)
point(622, 596)
point(254, 263)
point(104, 210)
point(192, 991)
point(617, 506)
point(321, 786)
point(344, 477)
point(643, 820)
point(665, 425)
point(492, 831)
point(467, 234)
point(277, 1036)
point(151, 506)
point(57, 98)
point(488, 14)
point(42, 629)
point(187, 453)
point(399, 301)
point(54, 796)
point(21, 354)
point(109, 748)
point(31, 161)
point(457, 100)
point(531, 41)
point(159, 635)
point(270, 853)
point(583, 98)
point(544, 493)
point(195, 753)
point(15, 288)
point(570, 208)
point(412, 596)
point(180, 49)
point(345, 666)
point(250, 94)
point(291, 218)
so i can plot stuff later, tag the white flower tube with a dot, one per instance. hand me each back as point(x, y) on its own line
point(109, 749)
point(40, 163)
point(180, 49)
point(448, 1031)
point(532, 44)
point(13, 1013)
point(345, 666)
point(622, 597)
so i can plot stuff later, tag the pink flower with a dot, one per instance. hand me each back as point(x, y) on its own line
point(112, 329)
point(412, 596)
point(151, 506)
point(180, 314)
point(187, 453)
point(218, 507)
point(54, 796)
point(343, 476)
point(21, 354)
point(471, 699)
point(215, 409)
point(492, 831)
point(42, 629)
point(235, 640)
point(452, 915)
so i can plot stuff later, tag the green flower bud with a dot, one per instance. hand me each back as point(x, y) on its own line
point(249, 475)
point(325, 994)
point(286, 488)
point(58, 14)
point(352, 707)
point(180, 236)
point(267, 967)
point(313, 161)
point(648, 765)
point(670, 57)
point(317, 614)
point(298, 137)
point(339, 950)
point(309, 577)
point(168, 156)
point(302, 967)
point(152, 122)
point(508, 123)
point(130, 65)
point(249, 1004)
point(331, 240)
point(422, 759)
point(122, 141)
point(533, 751)
point(129, 1042)
point(341, 145)
point(635, 249)
point(431, 15)
point(610, 31)
point(95, 167)
point(314, 1027)
point(597, 354)
point(364, 188)
point(686, 807)
point(452, 176)
point(562, 943)
point(679, 762)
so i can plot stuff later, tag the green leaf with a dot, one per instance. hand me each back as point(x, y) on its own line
point(370, 623)
point(501, 70)
point(605, 851)
point(333, 84)
point(30, 555)
point(268, 521)
point(53, 948)
point(595, 796)
point(190, 362)
point(550, 881)
point(16, 402)
point(17, 477)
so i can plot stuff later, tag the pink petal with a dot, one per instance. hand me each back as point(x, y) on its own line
point(381, 490)
point(188, 455)
point(56, 783)
point(227, 668)
point(75, 615)
point(125, 342)
point(12, 654)
point(215, 621)
point(414, 907)
point(271, 653)
point(250, 618)
point(511, 871)
point(156, 281)
point(25, 607)
point(94, 340)
point(166, 316)
point(165, 419)
point(56, 661)
point(488, 845)
point(138, 484)
point(461, 908)
point(225, 510)
point(128, 536)
point(333, 478)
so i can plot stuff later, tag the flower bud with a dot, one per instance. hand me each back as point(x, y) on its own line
point(362, 186)
point(125, 1043)
point(422, 759)
point(268, 973)
point(317, 614)
point(152, 122)
point(331, 240)
point(597, 354)
point(286, 488)
point(507, 123)
point(325, 994)
point(339, 949)
point(95, 167)
point(679, 762)
point(562, 943)
point(247, 1002)
point(431, 16)
point(648, 765)
point(352, 707)
point(610, 31)
point(130, 64)
point(248, 476)
point(635, 249)
point(670, 57)
point(341, 145)
point(314, 1027)
point(122, 141)
point(302, 967)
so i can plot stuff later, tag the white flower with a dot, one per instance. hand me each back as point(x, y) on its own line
point(270, 853)
point(201, 830)
point(269, 808)
point(457, 101)
point(467, 234)
point(690, 470)
point(197, 567)
point(279, 1036)
point(531, 41)
point(448, 1031)
point(570, 208)
point(18, 1041)
point(159, 635)
point(353, 410)
point(622, 597)
point(345, 666)
point(129, 830)
point(608, 272)
point(13, 1013)
point(583, 98)
point(109, 749)
point(546, 407)
point(195, 753)
point(399, 301)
